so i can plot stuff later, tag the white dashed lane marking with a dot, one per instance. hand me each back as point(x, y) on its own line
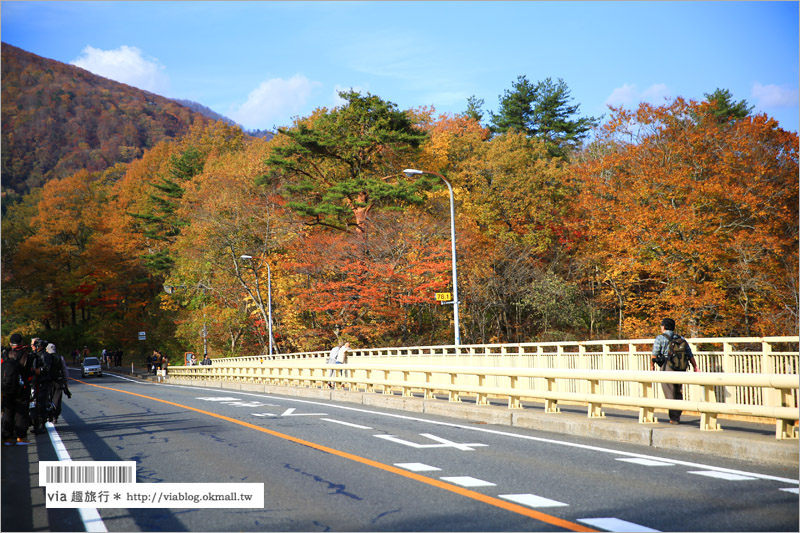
point(468, 481)
point(793, 491)
point(615, 525)
point(349, 424)
point(644, 462)
point(417, 467)
point(721, 475)
point(532, 500)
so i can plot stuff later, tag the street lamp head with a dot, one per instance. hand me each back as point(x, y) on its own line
point(412, 172)
point(245, 257)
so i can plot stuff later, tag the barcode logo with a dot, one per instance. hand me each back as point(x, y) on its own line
point(101, 472)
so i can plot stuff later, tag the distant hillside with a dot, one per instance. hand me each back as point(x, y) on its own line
point(205, 111)
point(213, 115)
point(58, 118)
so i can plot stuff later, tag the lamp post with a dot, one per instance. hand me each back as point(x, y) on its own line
point(269, 295)
point(169, 289)
point(413, 172)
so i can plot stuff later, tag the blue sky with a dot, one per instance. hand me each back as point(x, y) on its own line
point(262, 63)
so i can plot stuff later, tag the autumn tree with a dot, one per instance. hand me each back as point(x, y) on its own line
point(694, 219)
point(229, 216)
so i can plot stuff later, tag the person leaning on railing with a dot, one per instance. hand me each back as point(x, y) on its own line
point(672, 391)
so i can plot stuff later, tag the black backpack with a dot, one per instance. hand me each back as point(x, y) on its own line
point(56, 372)
point(12, 376)
point(678, 353)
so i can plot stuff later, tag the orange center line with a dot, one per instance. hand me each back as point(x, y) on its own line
point(508, 506)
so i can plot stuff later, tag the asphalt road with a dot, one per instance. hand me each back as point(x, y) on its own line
point(330, 466)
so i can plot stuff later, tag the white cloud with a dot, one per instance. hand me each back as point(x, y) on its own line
point(125, 65)
point(767, 96)
point(656, 94)
point(274, 102)
point(629, 95)
point(622, 96)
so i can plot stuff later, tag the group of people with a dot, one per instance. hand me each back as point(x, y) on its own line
point(35, 377)
point(111, 357)
point(194, 362)
point(157, 361)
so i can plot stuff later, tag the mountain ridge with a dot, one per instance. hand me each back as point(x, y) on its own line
point(59, 118)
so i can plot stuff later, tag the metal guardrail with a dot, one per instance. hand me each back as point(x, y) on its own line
point(516, 384)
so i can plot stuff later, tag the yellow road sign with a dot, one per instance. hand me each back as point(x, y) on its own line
point(443, 296)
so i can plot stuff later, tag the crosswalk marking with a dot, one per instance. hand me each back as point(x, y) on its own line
point(468, 481)
point(616, 525)
point(417, 467)
point(532, 500)
point(721, 475)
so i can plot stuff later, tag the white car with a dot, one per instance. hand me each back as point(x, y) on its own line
point(90, 367)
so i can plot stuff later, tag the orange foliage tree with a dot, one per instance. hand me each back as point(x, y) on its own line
point(688, 216)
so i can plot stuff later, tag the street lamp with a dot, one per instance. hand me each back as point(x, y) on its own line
point(413, 172)
point(269, 295)
point(170, 289)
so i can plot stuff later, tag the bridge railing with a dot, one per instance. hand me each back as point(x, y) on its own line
point(769, 355)
point(517, 384)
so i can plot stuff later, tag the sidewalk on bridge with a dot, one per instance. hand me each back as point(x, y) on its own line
point(742, 440)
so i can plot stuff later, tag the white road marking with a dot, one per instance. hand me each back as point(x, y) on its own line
point(345, 423)
point(290, 412)
point(644, 462)
point(124, 378)
point(443, 443)
point(722, 475)
point(616, 525)
point(793, 491)
point(90, 517)
point(218, 399)
point(467, 481)
point(417, 467)
point(532, 500)
point(505, 434)
point(250, 404)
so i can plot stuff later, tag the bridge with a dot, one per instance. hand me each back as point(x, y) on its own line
point(427, 439)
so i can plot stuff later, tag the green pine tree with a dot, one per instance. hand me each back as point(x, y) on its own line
point(346, 162)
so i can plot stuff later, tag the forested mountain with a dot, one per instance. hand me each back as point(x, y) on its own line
point(58, 119)
point(688, 209)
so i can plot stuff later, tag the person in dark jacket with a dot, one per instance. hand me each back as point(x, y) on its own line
point(16, 399)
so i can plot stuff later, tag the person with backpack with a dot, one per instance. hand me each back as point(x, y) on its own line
point(47, 371)
point(16, 392)
point(60, 375)
point(672, 353)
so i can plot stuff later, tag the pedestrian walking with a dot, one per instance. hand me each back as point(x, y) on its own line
point(60, 386)
point(332, 361)
point(672, 353)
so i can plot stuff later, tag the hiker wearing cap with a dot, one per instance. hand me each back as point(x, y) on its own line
point(16, 390)
point(672, 353)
